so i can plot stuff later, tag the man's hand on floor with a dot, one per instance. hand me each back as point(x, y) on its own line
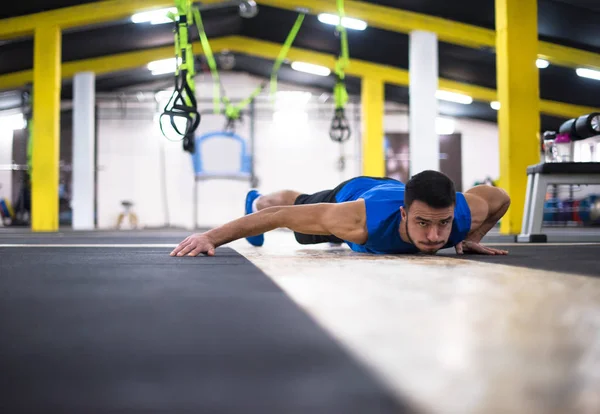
point(471, 247)
point(194, 245)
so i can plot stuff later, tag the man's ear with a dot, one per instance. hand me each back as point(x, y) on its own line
point(403, 213)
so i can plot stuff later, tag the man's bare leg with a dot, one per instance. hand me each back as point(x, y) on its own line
point(279, 198)
point(256, 202)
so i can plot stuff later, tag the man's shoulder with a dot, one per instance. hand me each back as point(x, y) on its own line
point(478, 208)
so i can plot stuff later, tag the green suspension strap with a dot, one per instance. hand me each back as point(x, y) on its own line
point(340, 129)
point(212, 64)
point(182, 108)
point(233, 113)
point(284, 51)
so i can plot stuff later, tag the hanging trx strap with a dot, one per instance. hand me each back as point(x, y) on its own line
point(340, 129)
point(182, 108)
point(233, 112)
point(284, 51)
point(212, 64)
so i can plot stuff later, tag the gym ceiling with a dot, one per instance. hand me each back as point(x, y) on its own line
point(574, 24)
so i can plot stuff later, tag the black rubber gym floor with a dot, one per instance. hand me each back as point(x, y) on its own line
point(132, 330)
point(583, 259)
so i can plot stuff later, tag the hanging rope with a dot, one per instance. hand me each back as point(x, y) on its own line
point(340, 128)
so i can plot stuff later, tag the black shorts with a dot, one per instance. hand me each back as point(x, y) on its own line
point(326, 196)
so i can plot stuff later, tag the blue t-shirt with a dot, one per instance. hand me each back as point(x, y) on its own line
point(383, 199)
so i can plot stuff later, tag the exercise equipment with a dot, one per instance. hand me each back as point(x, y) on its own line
point(487, 181)
point(6, 212)
point(233, 113)
point(340, 128)
point(581, 212)
point(581, 128)
point(590, 209)
point(128, 214)
point(539, 177)
point(245, 156)
point(182, 108)
point(246, 163)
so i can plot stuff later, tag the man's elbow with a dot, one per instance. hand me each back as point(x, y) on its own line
point(503, 196)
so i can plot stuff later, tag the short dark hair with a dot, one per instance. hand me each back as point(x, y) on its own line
point(433, 188)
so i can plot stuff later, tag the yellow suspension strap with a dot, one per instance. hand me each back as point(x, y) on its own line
point(233, 113)
point(182, 108)
point(340, 128)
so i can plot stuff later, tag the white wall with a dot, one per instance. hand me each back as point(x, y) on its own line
point(480, 151)
point(292, 150)
point(6, 149)
point(479, 146)
point(295, 152)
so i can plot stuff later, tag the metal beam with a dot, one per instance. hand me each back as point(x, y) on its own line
point(382, 17)
point(270, 50)
point(396, 20)
point(450, 31)
point(77, 16)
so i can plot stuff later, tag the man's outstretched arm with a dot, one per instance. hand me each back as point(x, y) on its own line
point(488, 205)
point(344, 220)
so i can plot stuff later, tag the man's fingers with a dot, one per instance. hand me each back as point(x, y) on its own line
point(186, 249)
point(502, 252)
point(199, 250)
point(180, 246)
point(478, 248)
point(459, 248)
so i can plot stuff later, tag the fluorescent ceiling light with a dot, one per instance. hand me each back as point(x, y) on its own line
point(154, 16)
point(495, 105)
point(588, 73)
point(454, 97)
point(347, 22)
point(444, 126)
point(162, 67)
point(12, 122)
point(542, 64)
point(310, 68)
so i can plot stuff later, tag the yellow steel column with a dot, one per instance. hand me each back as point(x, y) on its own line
point(373, 100)
point(46, 124)
point(518, 91)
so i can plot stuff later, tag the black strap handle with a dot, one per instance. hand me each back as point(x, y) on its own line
point(340, 129)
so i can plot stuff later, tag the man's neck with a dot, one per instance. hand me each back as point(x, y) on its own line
point(403, 232)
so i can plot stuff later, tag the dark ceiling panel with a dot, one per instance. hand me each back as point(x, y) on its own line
point(570, 26)
point(563, 85)
point(584, 4)
point(20, 8)
point(131, 37)
point(113, 39)
point(569, 22)
point(475, 12)
point(16, 56)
